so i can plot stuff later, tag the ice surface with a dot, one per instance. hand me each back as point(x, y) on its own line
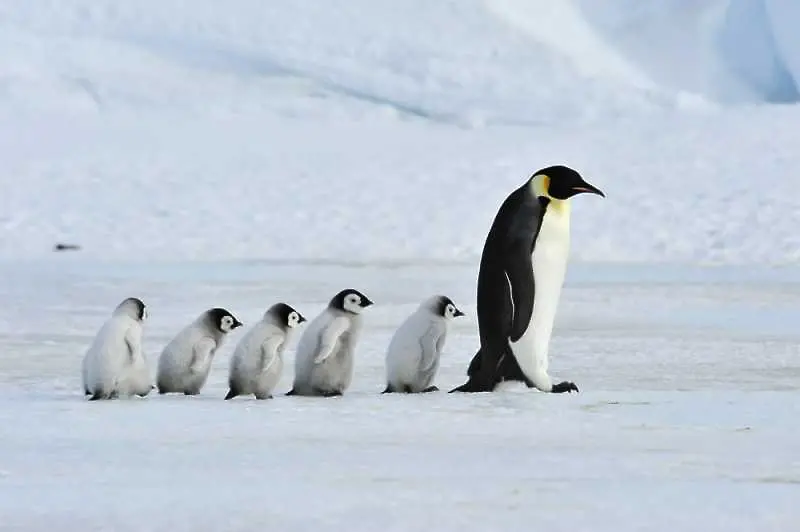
point(686, 418)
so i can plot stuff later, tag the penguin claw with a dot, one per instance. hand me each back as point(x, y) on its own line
point(565, 386)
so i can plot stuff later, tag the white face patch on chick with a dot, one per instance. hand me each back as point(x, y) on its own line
point(293, 320)
point(352, 303)
point(226, 324)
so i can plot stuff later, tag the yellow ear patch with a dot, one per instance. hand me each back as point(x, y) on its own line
point(541, 185)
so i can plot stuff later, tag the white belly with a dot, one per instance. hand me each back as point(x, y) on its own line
point(549, 266)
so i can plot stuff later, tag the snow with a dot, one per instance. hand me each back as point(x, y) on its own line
point(236, 156)
point(685, 419)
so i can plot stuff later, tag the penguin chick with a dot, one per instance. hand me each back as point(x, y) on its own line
point(257, 362)
point(114, 365)
point(323, 364)
point(185, 362)
point(412, 358)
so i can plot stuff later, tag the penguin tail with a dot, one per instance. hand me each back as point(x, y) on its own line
point(291, 392)
point(475, 364)
point(231, 394)
point(475, 383)
point(506, 369)
point(389, 389)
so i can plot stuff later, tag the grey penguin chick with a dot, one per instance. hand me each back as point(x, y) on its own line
point(185, 362)
point(114, 364)
point(323, 364)
point(412, 358)
point(256, 364)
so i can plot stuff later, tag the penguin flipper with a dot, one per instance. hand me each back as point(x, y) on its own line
point(522, 285)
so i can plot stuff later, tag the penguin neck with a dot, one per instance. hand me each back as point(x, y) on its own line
point(559, 207)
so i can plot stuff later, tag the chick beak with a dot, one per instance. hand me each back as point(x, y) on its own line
point(458, 313)
point(365, 302)
point(587, 188)
point(236, 323)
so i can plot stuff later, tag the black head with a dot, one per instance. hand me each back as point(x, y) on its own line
point(445, 308)
point(561, 183)
point(286, 315)
point(350, 300)
point(134, 307)
point(222, 320)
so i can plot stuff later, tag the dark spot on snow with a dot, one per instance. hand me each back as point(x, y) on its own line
point(66, 247)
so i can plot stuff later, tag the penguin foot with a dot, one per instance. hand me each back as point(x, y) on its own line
point(565, 386)
point(98, 396)
point(430, 389)
point(262, 397)
point(191, 392)
point(327, 393)
point(472, 386)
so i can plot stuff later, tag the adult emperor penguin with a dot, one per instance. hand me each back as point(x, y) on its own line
point(412, 358)
point(114, 365)
point(257, 362)
point(323, 364)
point(519, 284)
point(185, 362)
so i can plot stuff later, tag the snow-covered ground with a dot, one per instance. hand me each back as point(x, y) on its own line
point(686, 418)
point(235, 154)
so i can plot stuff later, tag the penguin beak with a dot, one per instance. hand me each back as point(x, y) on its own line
point(300, 318)
point(365, 302)
point(236, 323)
point(458, 313)
point(585, 187)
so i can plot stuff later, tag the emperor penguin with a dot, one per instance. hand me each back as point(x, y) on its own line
point(114, 364)
point(412, 358)
point(185, 362)
point(519, 283)
point(256, 364)
point(323, 364)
